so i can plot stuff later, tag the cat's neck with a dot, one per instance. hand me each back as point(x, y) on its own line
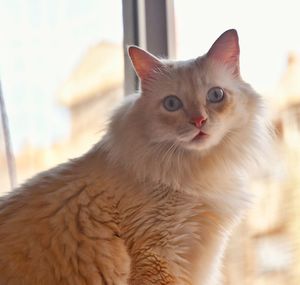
point(211, 178)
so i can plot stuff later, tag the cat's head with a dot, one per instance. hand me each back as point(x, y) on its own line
point(193, 104)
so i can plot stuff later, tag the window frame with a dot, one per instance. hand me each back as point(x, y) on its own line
point(150, 25)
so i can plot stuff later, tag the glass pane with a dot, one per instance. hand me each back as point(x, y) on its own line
point(265, 248)
point(267, 33)
point(62, 72)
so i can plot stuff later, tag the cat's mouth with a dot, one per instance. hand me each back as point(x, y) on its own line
point(201, 135)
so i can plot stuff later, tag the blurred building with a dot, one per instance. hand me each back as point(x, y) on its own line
point(265, 249)
point(92, 90)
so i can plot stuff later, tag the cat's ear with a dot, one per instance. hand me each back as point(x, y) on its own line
point(144, 62)
point(226, 50)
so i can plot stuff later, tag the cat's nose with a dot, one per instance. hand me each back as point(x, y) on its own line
point(199, 121)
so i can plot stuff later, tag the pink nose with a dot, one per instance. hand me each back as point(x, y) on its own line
point(199, 121)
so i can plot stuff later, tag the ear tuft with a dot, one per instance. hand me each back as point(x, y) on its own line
point(226, 50)
point(143, 62)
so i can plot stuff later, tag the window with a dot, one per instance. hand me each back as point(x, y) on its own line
point(264, 249)
point(57, 59)
point(268, 32)
point(61, 71)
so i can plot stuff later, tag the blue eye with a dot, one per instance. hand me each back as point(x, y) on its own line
point(215, 95)
point(172, 103)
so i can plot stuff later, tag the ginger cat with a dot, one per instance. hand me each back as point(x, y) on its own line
point(155, 200)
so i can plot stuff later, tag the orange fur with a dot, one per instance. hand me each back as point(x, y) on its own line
point(143, 206)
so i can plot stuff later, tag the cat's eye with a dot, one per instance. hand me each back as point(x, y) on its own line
point(215, 95)
point(172, 103)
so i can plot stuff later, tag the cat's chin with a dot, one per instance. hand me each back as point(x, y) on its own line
point(200, 142)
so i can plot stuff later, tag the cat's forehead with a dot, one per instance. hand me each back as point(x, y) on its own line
point(194, 74)
point(190, 71)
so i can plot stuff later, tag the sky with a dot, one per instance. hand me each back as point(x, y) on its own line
point(42, 41)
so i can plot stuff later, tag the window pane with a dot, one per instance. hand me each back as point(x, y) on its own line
point(267, 33)
point(265, 248)
point(61, 71)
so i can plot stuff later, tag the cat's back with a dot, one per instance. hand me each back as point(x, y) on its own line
point(51, 229)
